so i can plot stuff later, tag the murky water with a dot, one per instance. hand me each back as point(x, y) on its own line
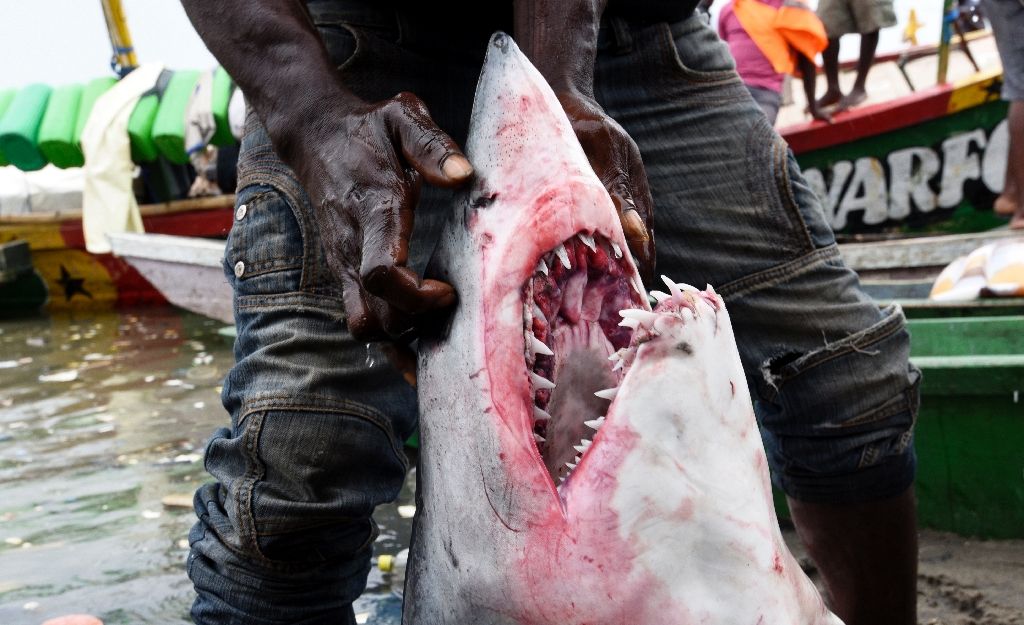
point(103, 419)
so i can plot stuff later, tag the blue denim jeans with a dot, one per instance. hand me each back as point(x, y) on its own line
point(318, 419)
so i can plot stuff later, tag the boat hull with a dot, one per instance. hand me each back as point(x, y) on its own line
point(64, 276)
point(929, 162)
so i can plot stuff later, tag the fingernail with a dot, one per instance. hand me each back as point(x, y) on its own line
point(456, 167)
point(635, 228)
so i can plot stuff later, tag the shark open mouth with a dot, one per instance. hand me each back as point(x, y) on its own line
point(574, 341)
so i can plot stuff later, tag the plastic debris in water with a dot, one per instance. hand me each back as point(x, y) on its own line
point(69, 375)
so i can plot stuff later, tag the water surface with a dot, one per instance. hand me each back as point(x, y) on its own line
point(103, 417)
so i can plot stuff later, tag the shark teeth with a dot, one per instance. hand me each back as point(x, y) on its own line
point(537, 346)
point(583, 446)
point(616, 250)
point(540, 439)
point(542, 267)
point(594, 424)
point(539, 414)
point(563, 256)
point(660, 296)
point(541, 382)
point(645, 317)
point(673, 288)
point(588, 241)
point(608, 393)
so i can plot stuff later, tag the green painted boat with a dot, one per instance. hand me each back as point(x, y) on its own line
point(970, 431)
point(929, 161)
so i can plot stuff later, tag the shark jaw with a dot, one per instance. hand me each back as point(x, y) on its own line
point(572, 329)
point(584, 320)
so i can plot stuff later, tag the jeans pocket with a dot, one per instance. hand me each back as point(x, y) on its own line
point(697, 53)
point(775, 181)
point(265, 251)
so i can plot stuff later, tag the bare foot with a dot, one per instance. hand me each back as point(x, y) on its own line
point(1004, 205)
point(852, 99)
point(829, 98)
point(1017, 223)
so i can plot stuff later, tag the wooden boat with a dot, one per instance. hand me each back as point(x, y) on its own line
point(188, 271)
point(970, 430)
point(61, 275)
point(924, 161)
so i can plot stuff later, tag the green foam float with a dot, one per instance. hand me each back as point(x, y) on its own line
point(140, 129)
point(93, 90)
point(19, 128)
point(169, 125)
point(223, 87)
point(6, 97)
point(57, 130)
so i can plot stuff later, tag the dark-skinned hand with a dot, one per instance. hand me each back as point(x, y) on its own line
point(363, 173)
point(615, 159)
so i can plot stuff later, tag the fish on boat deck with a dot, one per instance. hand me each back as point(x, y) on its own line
point(584, 458)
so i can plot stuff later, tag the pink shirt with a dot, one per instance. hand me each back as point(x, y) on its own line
point(752, 66)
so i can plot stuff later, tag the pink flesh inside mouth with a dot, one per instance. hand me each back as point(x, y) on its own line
point(573, 337)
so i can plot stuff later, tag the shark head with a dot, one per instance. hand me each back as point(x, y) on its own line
point(585, 458)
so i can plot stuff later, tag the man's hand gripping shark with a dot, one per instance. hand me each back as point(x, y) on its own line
point(585, 459)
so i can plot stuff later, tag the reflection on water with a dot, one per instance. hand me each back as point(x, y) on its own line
point(103, 418)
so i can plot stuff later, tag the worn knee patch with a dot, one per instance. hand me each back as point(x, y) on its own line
point(299, 482)
point(838, 420)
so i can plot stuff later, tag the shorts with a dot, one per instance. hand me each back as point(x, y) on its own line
point(1007, 20)
point(844, 17)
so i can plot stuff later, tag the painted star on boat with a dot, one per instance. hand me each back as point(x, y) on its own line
point(72, 286)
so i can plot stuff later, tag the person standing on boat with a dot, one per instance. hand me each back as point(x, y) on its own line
point(843, 17)
point(1007, 20)
point(770, 39)
point(345, 177)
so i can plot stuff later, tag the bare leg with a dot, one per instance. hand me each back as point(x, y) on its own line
point(1011, 201)
point(868, 44)
point(867, 555)
point(830, 59)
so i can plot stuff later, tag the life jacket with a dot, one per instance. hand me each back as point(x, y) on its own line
point(780, 33)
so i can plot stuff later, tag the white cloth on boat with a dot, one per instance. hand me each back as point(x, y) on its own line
point(236, 114)
point(108, 201)
point(48, 191)
point(199, 122)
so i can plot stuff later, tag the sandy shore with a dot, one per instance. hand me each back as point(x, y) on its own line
point(961, 581)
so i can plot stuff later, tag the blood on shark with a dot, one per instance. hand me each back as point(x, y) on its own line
point(585, 460)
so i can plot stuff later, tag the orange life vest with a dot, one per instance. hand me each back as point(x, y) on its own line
point(780, 33)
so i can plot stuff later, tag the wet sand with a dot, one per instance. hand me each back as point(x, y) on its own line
point(961, 581)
